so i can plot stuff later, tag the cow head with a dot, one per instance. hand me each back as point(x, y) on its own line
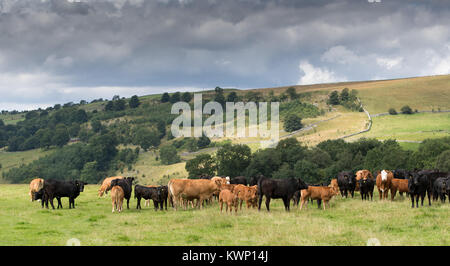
point(130, 180)
point(80, 185)
point(413, 181)
point(301, 184)
point(38, 194)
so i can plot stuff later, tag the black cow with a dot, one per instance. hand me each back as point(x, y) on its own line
point(59, 188)
point(164, 196)
point(447, 187)
point(419, 185)
point(440, 189)
point(401, 173)
point(39, 195)
point(254, 180)
point(126, 184)
point(432, 175)
point(153, 193)
point(347, 183)
point(239, 180)
point(366, 187)
point(279, 188)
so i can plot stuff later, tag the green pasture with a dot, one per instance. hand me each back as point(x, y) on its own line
point(346, 222)
point(414, 127)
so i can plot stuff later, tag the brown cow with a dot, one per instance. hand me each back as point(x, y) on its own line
point(117, 196)
point(252, 196)
point(400, 185)
point(35, 185)
point(247, 194)
point(230, 199)
point(318, 193)
point(334, 184)
point(106, 185)
point(384, 181)
point(190, 189)
point(362, 174)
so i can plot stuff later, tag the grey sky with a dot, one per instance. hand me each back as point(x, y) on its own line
point(58, 51)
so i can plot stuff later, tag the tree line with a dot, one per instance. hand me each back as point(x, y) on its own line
point(321, 163)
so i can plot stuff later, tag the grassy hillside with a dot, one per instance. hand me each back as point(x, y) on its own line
point(422, 93)
point(10, 160)
point(415, 127)
point(346, 222)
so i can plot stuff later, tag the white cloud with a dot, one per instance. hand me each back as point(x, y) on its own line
point(316, 75)
point(339, 54)
point(389, 63)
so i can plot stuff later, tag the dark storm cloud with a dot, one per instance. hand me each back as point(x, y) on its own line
point(65, 50)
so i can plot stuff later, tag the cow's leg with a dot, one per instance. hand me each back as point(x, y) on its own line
point(51, 203)
point(221, 206)
point(417, 200)
point(128, 203)
point(259, 202)
point(138, 204)
point(319, 202)
point(286, 204)
point(155, 203)
point(267, 203)
point(429, 200)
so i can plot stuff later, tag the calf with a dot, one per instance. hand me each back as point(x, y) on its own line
point(347, 183)
point(230, 199)
point(318, 193)
point(35, 185)
point(126, 185)
point(419, 185)
point(153, 193)
point(384, 181)
point(440, 189)
point(362, 174)
point(400, 185)
point(279, 188)
point(117, 196)
point(58, 189)
point(366, 187)
point(247, 194)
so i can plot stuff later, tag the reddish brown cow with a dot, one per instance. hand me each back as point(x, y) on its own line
point(384, 181)
point(318, 193)
point(106, 185)
point(190, 189)
point(35, 185)
point(247, 194)
point(230, 199)
point(400, 185)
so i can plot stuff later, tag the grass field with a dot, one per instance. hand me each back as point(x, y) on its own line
point(415, 127)
point(347, 222)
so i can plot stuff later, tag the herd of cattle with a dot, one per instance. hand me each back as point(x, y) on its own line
point(233, 192)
